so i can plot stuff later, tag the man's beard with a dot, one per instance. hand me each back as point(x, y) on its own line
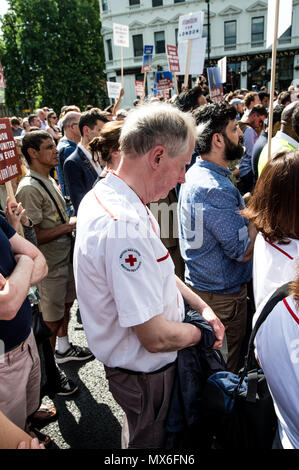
point(233, 151)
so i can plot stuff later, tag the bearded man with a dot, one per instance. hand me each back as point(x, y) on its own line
point(215, 240)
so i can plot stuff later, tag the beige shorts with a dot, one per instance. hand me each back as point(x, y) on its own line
point(20, 377)
point(56, 290)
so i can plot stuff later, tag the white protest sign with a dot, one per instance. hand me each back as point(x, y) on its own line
point(120, 35)
point(284, 20)
point(222, 65)
point(190, 26)
point(198, 52)
point(113, 89)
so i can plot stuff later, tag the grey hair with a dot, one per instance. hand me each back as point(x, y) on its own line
point(155, 124)
point(68, 118)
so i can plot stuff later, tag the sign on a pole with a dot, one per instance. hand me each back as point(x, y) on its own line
point(147, 63)
point(164, 80)
point(215, 84)
point(190, 26)
point(173, 58)
point(148, 50)
point(284, 20)
point(139, 87)
point(113, 89)
point(198, 51)
point(120, 35)
point(9, 160)
point(222, 66)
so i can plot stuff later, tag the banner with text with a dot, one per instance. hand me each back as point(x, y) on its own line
point(9, 160)
point(222, 63)
point(190, 26)
point(164, 80)
point(139, 87)
point(120, 35)
point(113, 89)
point(173, 58)
point(215, 84)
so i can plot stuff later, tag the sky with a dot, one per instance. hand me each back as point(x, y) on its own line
point(3, 7)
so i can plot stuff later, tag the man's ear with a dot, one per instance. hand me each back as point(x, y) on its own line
point(217, 140)
point(155, 156)
point(32, 153)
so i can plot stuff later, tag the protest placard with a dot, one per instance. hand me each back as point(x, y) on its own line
point(222, 65)
point(139, 87)
point(190, 26)
point(198, 51)
point(121, 35)
point(215, 84)
point(9, 160)
point(164, 80)
point(173, 58)
point(113, 89)
point(147, 63)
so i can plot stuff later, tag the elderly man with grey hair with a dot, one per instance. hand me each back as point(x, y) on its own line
point(131, 302)
point(66, 146)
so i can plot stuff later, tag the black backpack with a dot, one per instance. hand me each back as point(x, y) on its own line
point(238, 409)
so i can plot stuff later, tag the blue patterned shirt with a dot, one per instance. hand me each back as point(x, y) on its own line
point(213, 235)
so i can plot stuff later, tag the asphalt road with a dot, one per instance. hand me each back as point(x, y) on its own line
point(90, 419)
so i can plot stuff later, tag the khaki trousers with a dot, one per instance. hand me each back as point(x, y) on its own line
point(231, 309)
point(145, 400)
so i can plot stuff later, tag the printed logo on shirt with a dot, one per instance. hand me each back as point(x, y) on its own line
point(130, 260)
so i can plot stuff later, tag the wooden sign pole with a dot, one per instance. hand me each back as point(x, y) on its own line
point(144, 84)
point(11, 194)
point(176, 83)
point(188, 60)
point(273, 72)
point(122, 65)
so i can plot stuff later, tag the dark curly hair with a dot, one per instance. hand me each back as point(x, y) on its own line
point(214, 118)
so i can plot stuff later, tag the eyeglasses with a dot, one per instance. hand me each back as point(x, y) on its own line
point(54, 117)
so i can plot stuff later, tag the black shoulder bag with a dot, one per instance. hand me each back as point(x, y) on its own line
point(239, 410)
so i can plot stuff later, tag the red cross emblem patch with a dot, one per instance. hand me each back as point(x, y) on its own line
point(130, 260)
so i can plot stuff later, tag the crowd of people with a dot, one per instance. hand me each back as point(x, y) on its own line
point(82, 226)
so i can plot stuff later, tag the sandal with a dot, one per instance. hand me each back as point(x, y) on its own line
point(45, 413)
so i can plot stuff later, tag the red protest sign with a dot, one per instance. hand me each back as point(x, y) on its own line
point(9, 161)
point(173, 58)
point(139, 87)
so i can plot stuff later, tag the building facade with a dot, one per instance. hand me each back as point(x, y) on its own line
point(236, 29)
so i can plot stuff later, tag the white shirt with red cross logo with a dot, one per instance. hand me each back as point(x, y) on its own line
point(124, 276)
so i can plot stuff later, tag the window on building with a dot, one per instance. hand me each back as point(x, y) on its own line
point(160, 42)
point(257, 29)
point(178, 1)
point(138, 45)
point(105, 5)
point(134, 2)
point(176, 33)
point(286, 36)
point(109, 49)
point(230, 34)
point(157, 3)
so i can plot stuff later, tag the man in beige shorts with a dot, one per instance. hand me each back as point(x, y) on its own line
point(46, 207)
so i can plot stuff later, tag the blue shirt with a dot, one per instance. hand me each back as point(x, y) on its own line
point(213, 236)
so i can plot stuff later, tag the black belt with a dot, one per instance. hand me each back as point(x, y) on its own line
point(134, 372)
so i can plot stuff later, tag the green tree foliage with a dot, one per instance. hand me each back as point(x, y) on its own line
point(52, 54)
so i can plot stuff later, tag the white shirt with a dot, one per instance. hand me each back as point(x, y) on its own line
point(124, 275)
point(95, 165)
point(273, 265)
point(277, 345)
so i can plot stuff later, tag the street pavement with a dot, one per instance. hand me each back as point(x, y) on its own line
point(90, 419)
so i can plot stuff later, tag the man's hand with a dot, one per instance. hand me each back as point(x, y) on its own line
point(15, 214)
point(219, 330)
point(34, 444)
